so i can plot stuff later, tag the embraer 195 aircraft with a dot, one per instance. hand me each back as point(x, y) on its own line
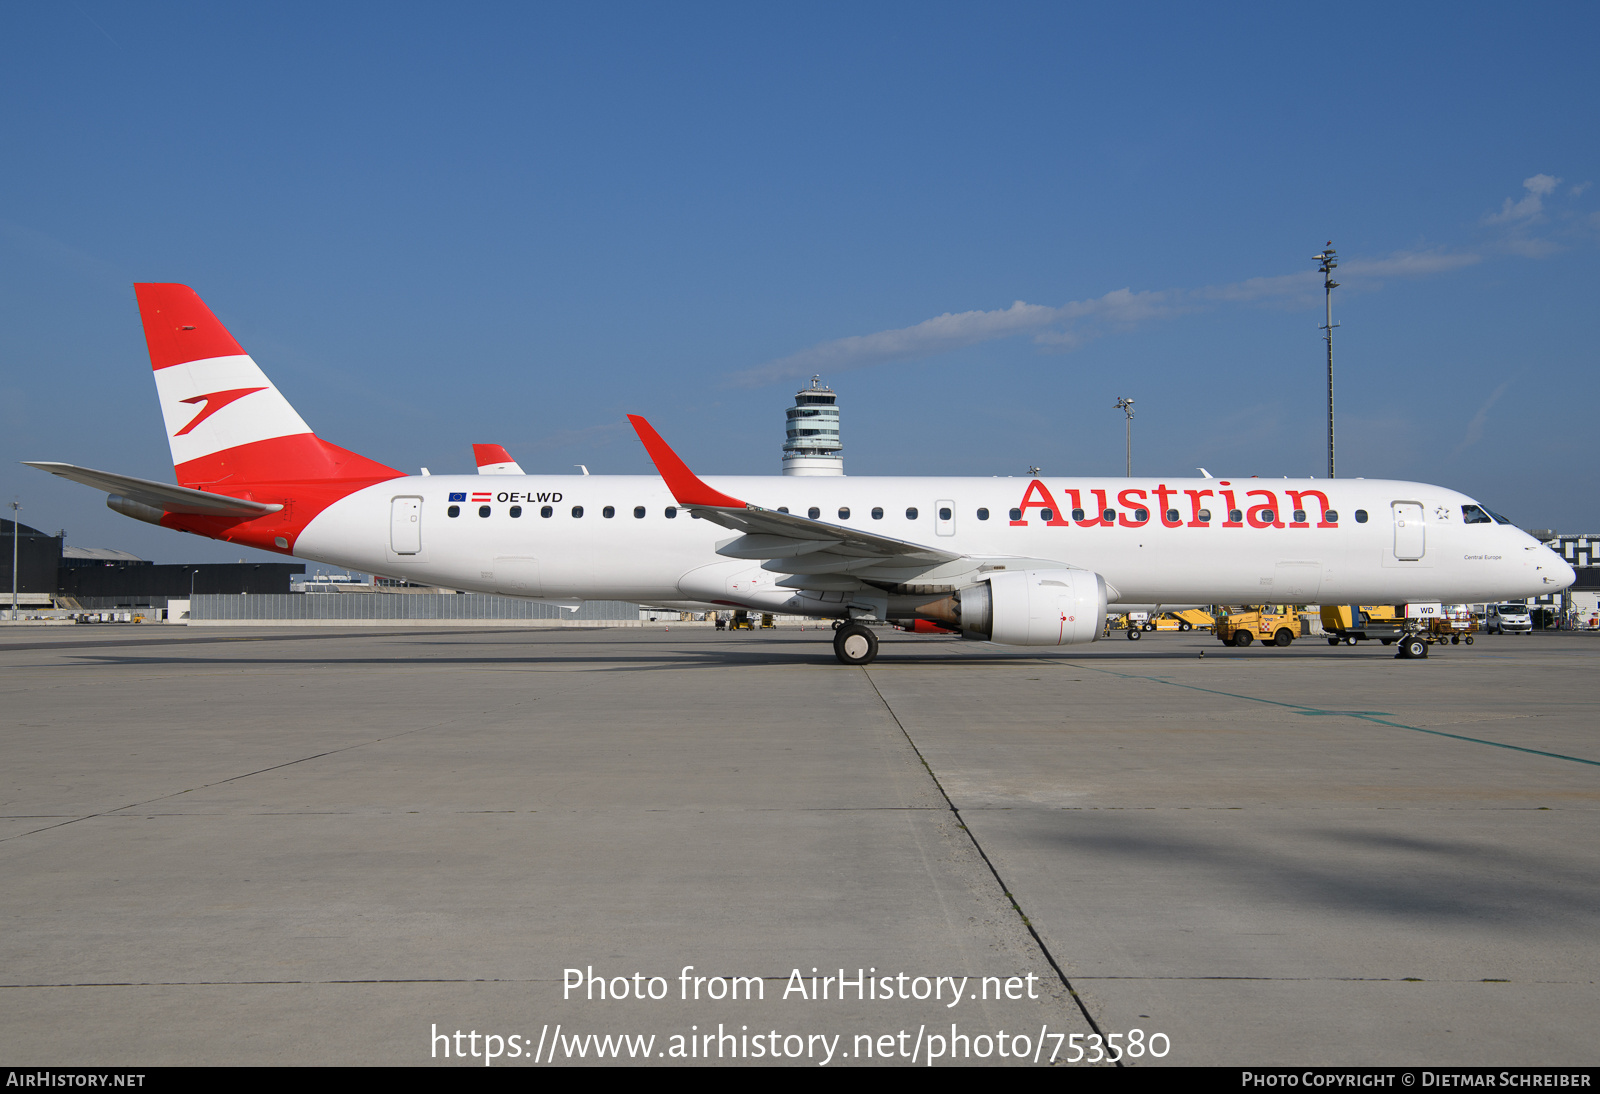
point(1023, 562)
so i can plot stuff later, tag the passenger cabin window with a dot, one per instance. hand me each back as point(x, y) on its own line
point(483, 510)
point(577, 510)
point(1141, 515)
point(1298, 516)
point(877, 514)
point(1044, 514)
point(1361, 516)
point(1172, 516)
point(983, 514)
point(1110, 516)
point(1078, 514)
point(844, 512)
point(813, 512)
point(609, 511)
point(911, 514)
point(944, 514)
point(1016, 514)
point(1235, 515)
point(1203, 516)
point(547, 512)
point(670, 513)
point(453, 511)
point(1331, 516)
point(516, 510)
point(638, 512)
point(783, 508)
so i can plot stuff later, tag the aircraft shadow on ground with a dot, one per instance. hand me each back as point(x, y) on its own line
point(1382, 873)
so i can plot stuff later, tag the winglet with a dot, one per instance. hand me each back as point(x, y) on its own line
point(686, 487)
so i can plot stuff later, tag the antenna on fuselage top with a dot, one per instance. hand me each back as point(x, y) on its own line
point(582, 468)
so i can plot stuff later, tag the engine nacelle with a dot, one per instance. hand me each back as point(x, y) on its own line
point(1034, 607)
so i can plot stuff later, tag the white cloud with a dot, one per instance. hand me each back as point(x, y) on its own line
point(593, 436)
point(1411, 264)
point(1474, 430)
point(1532, 203)
point(1078, 321)
point(931, 336)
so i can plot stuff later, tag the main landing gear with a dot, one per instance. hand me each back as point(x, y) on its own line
point(854, 644)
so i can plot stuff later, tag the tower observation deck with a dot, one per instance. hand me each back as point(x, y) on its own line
point(812, 446)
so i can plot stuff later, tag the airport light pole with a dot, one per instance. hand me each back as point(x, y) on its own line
point(1328, 262)
point(1126, 406)
point(14, 507)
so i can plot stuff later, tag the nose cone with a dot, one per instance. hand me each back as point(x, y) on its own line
point(1555, 571)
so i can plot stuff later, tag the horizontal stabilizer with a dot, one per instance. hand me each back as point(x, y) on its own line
point(159, 495)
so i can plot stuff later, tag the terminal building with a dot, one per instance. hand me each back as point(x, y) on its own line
point(52, 575)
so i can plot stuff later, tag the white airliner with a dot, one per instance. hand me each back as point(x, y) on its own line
point(1029, 562)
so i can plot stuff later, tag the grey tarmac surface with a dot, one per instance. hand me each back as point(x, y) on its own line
point(290, 847)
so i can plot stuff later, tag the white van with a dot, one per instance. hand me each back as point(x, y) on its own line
point(1507, 619)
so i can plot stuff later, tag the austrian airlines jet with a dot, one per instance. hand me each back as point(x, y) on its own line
point(1024, 562)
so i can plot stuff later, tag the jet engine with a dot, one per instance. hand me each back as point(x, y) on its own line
point(1027, 608)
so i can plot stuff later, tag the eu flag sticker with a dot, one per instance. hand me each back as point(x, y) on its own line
point(458, 497)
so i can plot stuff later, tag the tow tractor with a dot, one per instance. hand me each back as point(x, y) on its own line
point(1244, 626)
point(1414, 627)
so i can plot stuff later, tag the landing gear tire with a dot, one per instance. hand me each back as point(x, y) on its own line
point(854, 644)
point(1283, 637)
point(1242, 638)
point(837, 623)
point(1412, 648)
point(1133, 634)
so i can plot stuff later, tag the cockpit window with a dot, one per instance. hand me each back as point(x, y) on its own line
point(1472, 514)
point(1499, 519)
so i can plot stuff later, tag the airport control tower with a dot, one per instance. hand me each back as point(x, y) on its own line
point(812, 446)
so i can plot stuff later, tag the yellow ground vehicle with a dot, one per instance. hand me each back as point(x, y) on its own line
point(1140, 622)
point(1240, 628)
point(1193, 619)
point(1389, 624)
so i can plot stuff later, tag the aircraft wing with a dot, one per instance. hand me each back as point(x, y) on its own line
point(159, 495)
point(786, 543)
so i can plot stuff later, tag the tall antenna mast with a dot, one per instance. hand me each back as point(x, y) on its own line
point(1328, 259)
point(1126, 406)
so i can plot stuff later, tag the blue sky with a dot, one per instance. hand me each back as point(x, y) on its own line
point(438, 225)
